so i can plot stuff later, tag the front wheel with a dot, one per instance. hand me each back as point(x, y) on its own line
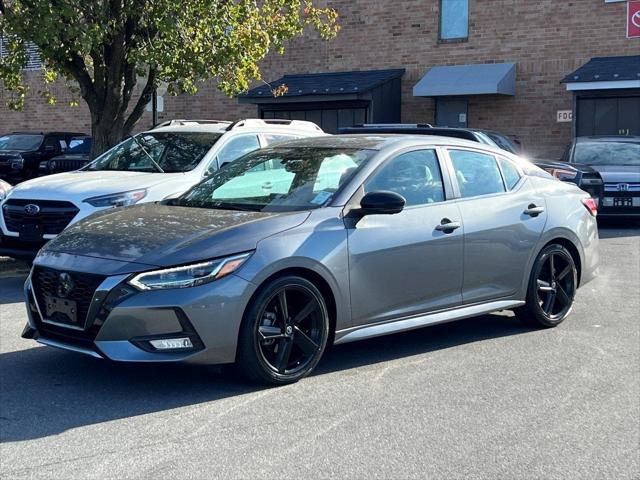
point(552, 288)
point(284, 332)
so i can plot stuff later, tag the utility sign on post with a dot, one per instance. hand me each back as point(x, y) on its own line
point(565, 116)
point(633, 19)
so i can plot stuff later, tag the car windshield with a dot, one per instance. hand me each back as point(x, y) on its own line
point(171, 151)
point(607, 153)
point(79, 146)
point(502, 142)
point(278, 179)
point(22, 143)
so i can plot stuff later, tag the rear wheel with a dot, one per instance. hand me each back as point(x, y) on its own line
point(552, 288)
point(284, 332)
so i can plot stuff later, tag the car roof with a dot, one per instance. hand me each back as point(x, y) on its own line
point(380, 142)
point(249, 124)
point(608, 138)
point(77, 134)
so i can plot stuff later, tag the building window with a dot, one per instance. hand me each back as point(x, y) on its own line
point(34, 62)
point(454, 19)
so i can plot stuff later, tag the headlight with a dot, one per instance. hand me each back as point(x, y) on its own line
point(122, 199)
point(563, 174)
point(188, 275)
point(4, 193)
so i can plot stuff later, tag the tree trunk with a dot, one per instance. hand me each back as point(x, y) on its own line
point(105, 135)
point(108, 123)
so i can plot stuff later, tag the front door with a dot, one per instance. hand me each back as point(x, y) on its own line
point(400, 265)
point(499, 237)
point(451, 112)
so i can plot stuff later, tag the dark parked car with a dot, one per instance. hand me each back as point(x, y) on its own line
point(617, 161)
point(77, 156)
point(22, 152)
point(585, 177)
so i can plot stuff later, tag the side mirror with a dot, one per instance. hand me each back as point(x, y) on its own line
point(49, 149)
point(382, 203)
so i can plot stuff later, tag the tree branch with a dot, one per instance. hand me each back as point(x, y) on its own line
point(142, 102)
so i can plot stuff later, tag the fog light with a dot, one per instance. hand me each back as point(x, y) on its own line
point(172, 343)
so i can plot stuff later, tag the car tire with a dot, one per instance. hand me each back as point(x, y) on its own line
point(551, 290)
point(284, 332)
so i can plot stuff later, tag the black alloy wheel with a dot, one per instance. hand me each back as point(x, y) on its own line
point(284, 332)
point(552, 288)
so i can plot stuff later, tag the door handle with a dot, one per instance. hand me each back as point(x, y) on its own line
point(533, 210)
point(447, 226)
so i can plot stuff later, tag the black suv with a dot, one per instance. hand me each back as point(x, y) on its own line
point(585, 177)
point(22, 152)
point(75, 157)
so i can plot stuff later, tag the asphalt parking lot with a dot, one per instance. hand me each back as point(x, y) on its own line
point(480, 398)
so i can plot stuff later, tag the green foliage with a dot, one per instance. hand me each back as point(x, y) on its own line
point(106, 46)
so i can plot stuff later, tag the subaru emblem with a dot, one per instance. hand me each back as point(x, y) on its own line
point(31, 209)
point(65, 285)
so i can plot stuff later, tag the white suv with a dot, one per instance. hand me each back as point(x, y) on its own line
point(151, 166)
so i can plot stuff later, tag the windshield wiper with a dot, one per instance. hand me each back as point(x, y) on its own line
point(147, 153)
point(234, 206)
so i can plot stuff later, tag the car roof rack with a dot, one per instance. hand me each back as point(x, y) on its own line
point(180, 122)
point(263, 122)
point(394, 125)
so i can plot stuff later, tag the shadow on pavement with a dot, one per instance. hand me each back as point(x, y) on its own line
point(11, 289)
point(618, 227)
point(44, 391)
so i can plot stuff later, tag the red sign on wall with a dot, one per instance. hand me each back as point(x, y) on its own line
point(633, 19)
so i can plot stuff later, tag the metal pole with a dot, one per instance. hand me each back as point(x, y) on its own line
point(154, 107)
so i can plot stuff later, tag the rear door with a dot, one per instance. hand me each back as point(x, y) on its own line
point(402, 265)
point(503, 220)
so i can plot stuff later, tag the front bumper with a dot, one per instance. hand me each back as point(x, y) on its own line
point(121, 321)
point(15, 248)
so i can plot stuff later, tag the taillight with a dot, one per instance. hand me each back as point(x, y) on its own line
point(565, 175)
point(591, 205)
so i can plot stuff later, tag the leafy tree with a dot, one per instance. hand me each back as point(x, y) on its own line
point(107, 47)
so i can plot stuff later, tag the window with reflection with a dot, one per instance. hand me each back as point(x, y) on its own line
point(454, 19)
point(414, 175)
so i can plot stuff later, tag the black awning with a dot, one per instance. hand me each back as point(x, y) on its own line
point(607, 69)
point(334, 84)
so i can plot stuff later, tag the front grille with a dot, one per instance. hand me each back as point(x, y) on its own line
point(622, 187)
point(67, 165)
point(54, 216)
point(45, 282)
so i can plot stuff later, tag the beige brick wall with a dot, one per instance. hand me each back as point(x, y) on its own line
point(546, 38)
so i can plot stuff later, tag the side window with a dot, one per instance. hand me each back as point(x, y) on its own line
point(272, 138)
point(476, 173)
point(237, 147)
point(510, 173)
point(51, 145)
point(414, 175)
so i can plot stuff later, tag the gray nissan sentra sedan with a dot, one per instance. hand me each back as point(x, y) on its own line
point(316, 241)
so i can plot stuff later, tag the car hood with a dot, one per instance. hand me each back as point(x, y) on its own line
point(73, 156)
point(83, 184)
point(163, 235)
point(618, 173)
point(15, 153)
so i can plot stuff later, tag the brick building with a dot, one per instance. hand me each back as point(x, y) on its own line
point(495, 64)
